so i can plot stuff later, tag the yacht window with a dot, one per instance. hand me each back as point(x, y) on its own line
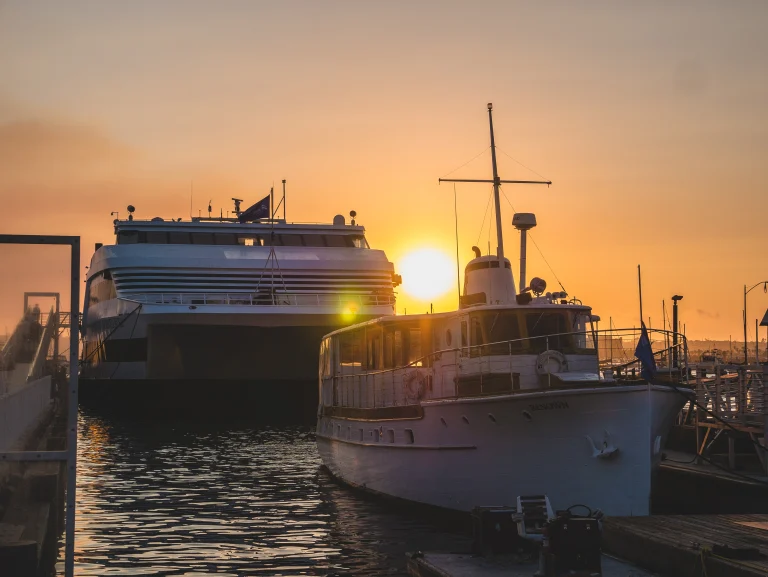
point(128, 237)
point(313, 240)
point(463, 333)
point(157, 237)
point(291, 239)
point(351, 349)
point(499, 327)
point(335, 240)
point(476, 331)
point(178, 237)
point(225, 238)
point(388, 356)
point(414, 348)
point(202, 238)
point(543, 329)
point(585, 337)
point(398, 349)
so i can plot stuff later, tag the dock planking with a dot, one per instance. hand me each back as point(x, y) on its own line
point(681, 545)
point(468, 565)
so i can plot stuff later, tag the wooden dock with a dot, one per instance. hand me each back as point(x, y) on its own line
point(692, 545)
point(468, 565)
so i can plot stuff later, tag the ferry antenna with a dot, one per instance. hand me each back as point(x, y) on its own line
point(496, 183)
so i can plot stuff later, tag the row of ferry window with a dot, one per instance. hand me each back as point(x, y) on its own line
point(241, 239)
point(383, 346)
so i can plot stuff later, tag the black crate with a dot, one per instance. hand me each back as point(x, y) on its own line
point(494, 530)
point(575, 544)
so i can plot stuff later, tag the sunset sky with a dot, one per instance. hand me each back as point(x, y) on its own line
point(650, 118)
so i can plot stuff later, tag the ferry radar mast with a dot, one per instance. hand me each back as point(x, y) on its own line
point(496, 183)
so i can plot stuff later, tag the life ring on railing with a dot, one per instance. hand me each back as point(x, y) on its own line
point(415, 384)
point(550, 362)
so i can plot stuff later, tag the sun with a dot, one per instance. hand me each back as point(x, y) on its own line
point(427, 273)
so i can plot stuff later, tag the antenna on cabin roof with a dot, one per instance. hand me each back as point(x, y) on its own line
point(210, 208)
point(497, 182)
point(237, 205)
point(131, 210)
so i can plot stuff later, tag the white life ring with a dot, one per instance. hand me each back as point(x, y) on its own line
point(550, 362)
point(415, 384)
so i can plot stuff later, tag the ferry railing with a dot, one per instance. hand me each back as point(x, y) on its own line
point(263, 299)
point(398, 381)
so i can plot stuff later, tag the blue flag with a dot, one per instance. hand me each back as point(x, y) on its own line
point(644, 354)
point(256, 211)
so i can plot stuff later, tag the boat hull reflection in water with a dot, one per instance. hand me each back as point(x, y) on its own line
point(178, 498)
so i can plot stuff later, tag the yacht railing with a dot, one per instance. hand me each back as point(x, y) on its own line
point(264, 299)
point(493, 369)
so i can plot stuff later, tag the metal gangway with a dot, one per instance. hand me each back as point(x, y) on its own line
point(53, 325)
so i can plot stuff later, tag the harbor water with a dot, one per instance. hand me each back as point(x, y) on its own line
point(198, 496)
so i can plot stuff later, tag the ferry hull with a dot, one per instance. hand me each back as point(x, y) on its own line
point(462, 453)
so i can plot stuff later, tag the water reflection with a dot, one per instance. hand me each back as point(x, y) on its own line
point(183, 498)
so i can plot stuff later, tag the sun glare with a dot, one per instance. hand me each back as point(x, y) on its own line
point(427, 273)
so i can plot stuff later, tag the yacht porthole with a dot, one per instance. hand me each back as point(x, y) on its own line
point(465, 419)
point(442, 420)
point(527, 415)
point(491, 417)
point(448, 338)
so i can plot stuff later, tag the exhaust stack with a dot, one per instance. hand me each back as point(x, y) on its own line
point(523, 221)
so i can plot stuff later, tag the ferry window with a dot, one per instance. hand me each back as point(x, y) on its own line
point(291, 239)
point(335, 240)
point(249, 240)
point(202, 238)
point(128, 237)
point(157, 237)
point(358, 241)
point(543, 329)
point(225, 238)
point(313, 240)
point(178, 237)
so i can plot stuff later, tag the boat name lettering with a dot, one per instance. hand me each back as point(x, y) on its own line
point(549, 406)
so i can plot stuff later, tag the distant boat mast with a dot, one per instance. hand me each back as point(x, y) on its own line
point(496, 183)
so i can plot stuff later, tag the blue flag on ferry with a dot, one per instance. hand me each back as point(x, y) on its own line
point(644, 354)
point(256, 211)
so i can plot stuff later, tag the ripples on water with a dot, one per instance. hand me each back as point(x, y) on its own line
point(231, 499)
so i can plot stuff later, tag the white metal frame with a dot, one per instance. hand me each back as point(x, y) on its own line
point(70, 454)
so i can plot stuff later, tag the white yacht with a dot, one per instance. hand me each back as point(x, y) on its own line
point(501, 399)
point(225, 299)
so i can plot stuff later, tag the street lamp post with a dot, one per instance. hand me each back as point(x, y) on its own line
point(746, 292)
point(674, 329)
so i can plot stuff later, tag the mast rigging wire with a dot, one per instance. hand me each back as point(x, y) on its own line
point(466, 163)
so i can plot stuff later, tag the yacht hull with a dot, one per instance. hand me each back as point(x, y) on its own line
point(462, 453)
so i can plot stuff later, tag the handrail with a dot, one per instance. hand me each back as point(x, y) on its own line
point(424, 358)
point(36, 369)
point(275, 298)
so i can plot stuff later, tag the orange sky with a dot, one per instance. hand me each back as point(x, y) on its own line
point(649, 119)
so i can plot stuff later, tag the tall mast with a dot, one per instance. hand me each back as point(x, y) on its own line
point(496, 184)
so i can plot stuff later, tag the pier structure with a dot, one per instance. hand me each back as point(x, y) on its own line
point(38, 427)
point(730, 400)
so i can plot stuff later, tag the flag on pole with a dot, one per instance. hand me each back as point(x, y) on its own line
point(256, 211)
point(644, 354)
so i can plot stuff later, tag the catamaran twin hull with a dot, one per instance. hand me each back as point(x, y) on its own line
point(592, 446)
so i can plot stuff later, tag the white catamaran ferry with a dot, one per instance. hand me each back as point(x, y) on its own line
point(500, 399)
point(225, 299)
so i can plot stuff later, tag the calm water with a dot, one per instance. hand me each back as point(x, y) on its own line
point(186, 498)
